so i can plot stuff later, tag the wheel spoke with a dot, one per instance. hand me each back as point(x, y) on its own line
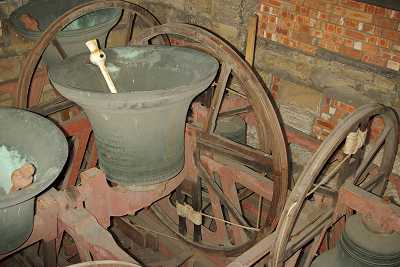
point(180, 198)
point(245, 176)
point(196, 204)
point(371, 155)
point(59, 49)
point(244, 154)
point(229, 188)
point(217, 98)
point(131, 22)
point(221, 232)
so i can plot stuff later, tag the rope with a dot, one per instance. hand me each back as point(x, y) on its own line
point(187, 211)
point(137, 226)
point(329, 176)
point(354, 141)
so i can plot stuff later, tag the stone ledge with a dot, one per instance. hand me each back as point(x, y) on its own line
point(329, 74)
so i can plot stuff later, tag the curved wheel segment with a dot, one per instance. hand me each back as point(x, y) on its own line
point(355, 150)
point(230, 175)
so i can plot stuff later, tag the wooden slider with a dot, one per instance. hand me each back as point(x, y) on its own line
point(98, 58)
point(22, 177)
point(251, 39)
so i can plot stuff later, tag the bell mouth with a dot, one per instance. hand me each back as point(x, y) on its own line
point(37, 140)
point(139, 73)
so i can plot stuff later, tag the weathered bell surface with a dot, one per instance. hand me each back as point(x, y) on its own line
point(362, 247)
point(40, 143)
point(41, 13)
point(140, 130)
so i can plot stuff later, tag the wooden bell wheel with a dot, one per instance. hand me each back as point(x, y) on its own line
point(226, 172)
point(357, 151)
point(137, 18)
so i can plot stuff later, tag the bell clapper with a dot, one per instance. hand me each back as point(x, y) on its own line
point(98, 58)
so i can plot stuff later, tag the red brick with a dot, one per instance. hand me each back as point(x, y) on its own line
point(385, 54)
point(270, 27)
point(348, 42)
point(288, 23)
point(340, 30)
point(329, 45)
point(338, 10)
point(351, 23)
point(379, 11)
point(335, 19)
point(281, 30)
point(369, 28)
point(396, 56)
point(371, 39)
point(305, 20)
point(316, 33)
point(288, 15)
point(272, 2)
point(353, 5)
point(375, 60)
point(267, 35)
point(302, 10)
point(350, 52)
point(358, 15)
point(385, 43)
point(273, 19)
point(296, 2)
point(324, 124)
point(329, 27)
point(317, 14)
point(386, 23)
point(355, 35)
point(303, 28)
point(391, 35)
point(339, 40)
point(370, 49)
point(318, 4)
point(283, 39)
point(395, 14)
point(370, 9)
point(272, 10)
point(344, 107)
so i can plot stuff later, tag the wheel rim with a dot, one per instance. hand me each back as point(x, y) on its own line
point(387, 141)
point(269, 127)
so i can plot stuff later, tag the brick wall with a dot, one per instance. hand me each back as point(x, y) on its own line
point(357, 30)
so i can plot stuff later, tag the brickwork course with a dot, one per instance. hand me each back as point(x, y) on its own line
point(353, 29)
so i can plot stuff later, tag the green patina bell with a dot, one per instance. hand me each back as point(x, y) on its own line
point(139, 130)
point(42, 144)
point(72, 38)
point(361, 246)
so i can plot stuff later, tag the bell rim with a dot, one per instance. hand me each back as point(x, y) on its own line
point(26, 194)
point(177, 92)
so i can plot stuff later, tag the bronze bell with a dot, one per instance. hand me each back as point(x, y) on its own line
point(362, 246)
point(72, 38)
point(139, 130)
point(41, 143)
